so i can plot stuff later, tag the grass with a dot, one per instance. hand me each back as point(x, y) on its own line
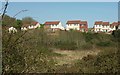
point(33, 51)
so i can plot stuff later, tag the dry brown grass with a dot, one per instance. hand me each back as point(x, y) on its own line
point(70, 57)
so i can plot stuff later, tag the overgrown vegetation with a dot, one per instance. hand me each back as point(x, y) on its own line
point(32, 51)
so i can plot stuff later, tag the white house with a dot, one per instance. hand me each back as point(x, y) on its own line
point(12, 30)
point(118, 24)
point(81, 26)
point(98, 26)
point(24, 28)
point(101, 26)
point(73, 24)
point(36, 24)
point(113, 26)
point(54, 25)
point(33, 25)
point(105, 26)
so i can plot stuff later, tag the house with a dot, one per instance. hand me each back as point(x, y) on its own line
point(33, 25)
point(83, 26)
point(118, 25)
point(53, 26)
point(114, 26)
point(77, 25)
point(105, 27)
point(73, 25)
point(98, 26)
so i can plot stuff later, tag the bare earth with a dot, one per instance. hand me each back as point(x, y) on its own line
point(70, 57)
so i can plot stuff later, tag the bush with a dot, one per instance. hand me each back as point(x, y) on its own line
point(104, 44)
point(88, 37)
point(87, 46)
point(116, 35)
point(65, 45)
point(102, 63)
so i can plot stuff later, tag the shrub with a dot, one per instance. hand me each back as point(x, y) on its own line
point(65, 45)
point(88, 37)
point(102, 63)
point(116, 35)
point(104, 44)
point(87, 46)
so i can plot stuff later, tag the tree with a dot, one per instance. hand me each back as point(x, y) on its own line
point(27, 20)
point(19, 23)
point(41, 25)
point(8, 21)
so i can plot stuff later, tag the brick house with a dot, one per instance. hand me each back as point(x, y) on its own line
point(83, 26)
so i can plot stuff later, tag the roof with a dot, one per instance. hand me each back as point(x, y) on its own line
point(51, 22)
point(114, 24)
point(34, 23)
point(98, 23)
point(83, 22)
point(25, 25)
point(73, 22)
point(118, 22)
point(105, 23)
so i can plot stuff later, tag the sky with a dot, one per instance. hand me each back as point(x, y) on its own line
point(63, 0)
point(63, 11)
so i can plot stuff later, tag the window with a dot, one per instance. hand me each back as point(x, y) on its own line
point(82, 25)
point(99, 29)
point(97, 25)
point(104, 26)
point(75, 24)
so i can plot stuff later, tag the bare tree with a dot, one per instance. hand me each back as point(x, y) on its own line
point(5, 8)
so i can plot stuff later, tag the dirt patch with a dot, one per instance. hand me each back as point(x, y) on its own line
point(70, 57)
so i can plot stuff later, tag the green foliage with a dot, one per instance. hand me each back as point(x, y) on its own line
point(24, 53)
point(116, 34)
point(18, 24)
point(66, 45)
point(31, 51)
point(102, 63)
point(104, 44)
point(88, 37)
point(41, 25)
point(9, 21)
point(28, 20)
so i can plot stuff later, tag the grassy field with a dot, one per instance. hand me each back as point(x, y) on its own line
point(37, 51)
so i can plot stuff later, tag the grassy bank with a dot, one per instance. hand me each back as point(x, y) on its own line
point(32, 51)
